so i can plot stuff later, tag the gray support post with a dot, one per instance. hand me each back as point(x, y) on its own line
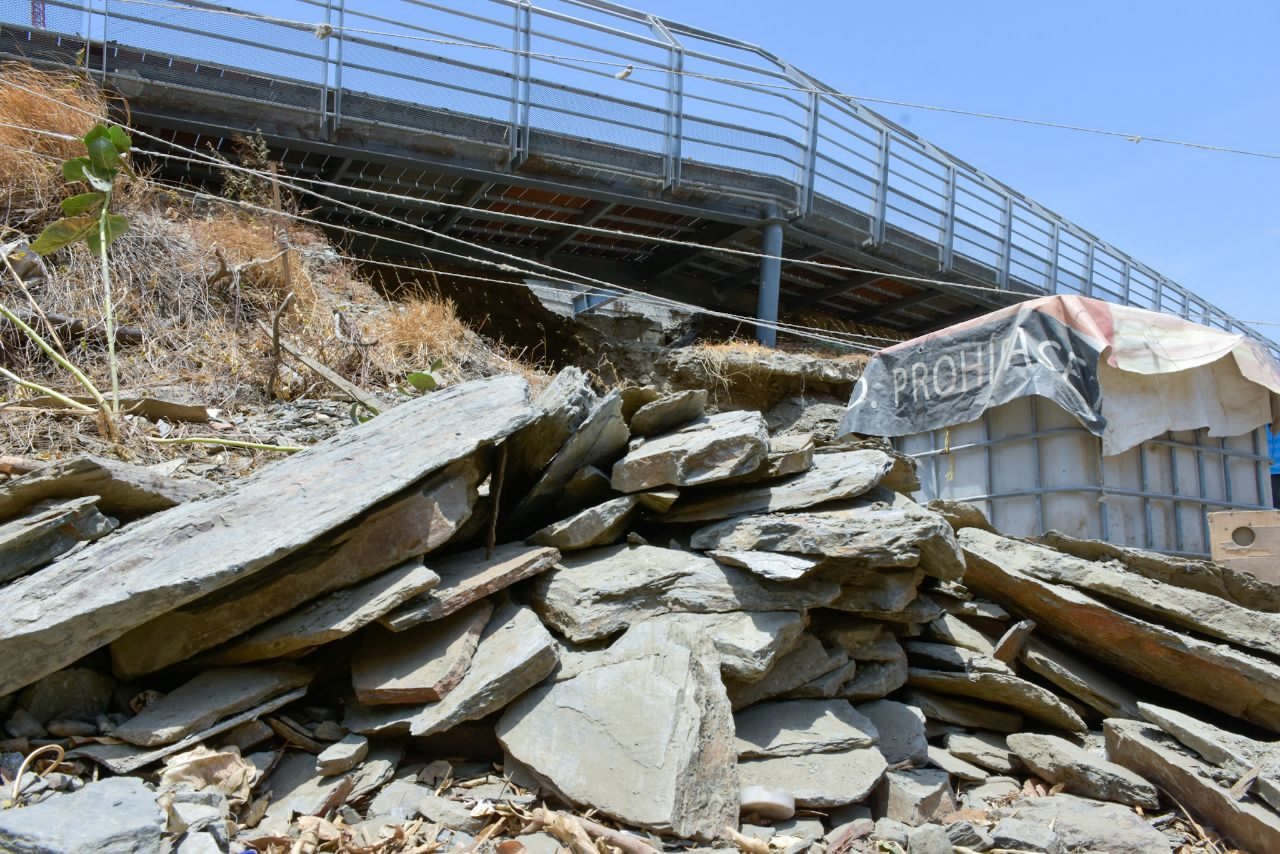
point(770, 279)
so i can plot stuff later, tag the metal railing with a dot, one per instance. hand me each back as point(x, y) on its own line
point(597, 71)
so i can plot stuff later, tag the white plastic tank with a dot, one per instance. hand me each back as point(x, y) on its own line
point(1031, 467)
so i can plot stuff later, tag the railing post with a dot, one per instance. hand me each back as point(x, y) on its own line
point(324, 67)
point(521, 39)
point(809, 171)
point(1088, 270)
point(882, 189)
point(673, 137)
point(949, 224)
point(106, 16)
point(1055, 250)
point(1006, 243)
point(337, 72)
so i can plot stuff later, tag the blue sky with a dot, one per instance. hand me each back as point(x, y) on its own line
point(1175, 68)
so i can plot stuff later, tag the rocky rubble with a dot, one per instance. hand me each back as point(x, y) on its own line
point(489, 623)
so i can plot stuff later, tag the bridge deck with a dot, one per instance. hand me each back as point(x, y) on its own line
point(514, 111)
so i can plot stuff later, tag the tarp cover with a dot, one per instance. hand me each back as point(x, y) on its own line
point(1127, 374)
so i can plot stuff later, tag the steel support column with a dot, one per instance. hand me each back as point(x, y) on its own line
point(770, 280)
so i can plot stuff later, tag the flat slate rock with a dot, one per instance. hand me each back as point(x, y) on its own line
point(965, 713)
point(594, 594)
point(1013, 691)
point(297, 788)
point(806, 661)
point(988, 750)
point(80, 603)
point(418, 520)
point(669, 412)
point(124, 490)
point(875, 679)
point(955, 766)
point(713, 448)
point(750, 643)
point(1087, 825)
point(833, 477)
point(469, 577)
point(48, 529)
point(774, 566)
point(800, 727)
point(955, 631)
point(871, 532)
point(915, 796)
point(601, 525)
point(205, 699)
point(561, 408)
point(946, 657)
point(1082, 679)
point(332, 617)
point(818, 780)
point(1146, 750)
point(901, 729)
point(1215, 674)
point(1056, 760)
point(643, 734)
point(113, 816)
point(420, 665)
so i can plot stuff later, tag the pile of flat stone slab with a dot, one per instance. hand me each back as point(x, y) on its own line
point(492, 621)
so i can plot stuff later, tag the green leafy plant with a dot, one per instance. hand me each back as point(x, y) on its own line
point(428, 380)
point(87, 217)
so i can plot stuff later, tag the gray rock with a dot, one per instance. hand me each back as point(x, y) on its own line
point(798, 727)
point(594, 594)
point(200, 842)
point(296, 788)
point(884, 593)
point(995, 792)
point(710, 449)
point(1077, 676)
point(987, 750)
point(114, 816)
point(818, 780)
point(771, 565)
point(1085, 825)
point(1011, 643)
point(827, 686)
point(1192, 783)
point(915, 796)
point(1022, 835)
point(124, 490)
point(420, 665)
point(601, 525)
point(1225, 678)
point(1057, 760)
point(47, 530)
point(23, 724)
point(212, 695)
point(891, 830)
point(561, 408)
point(954, 710)
point(929, 839)
point(539, 843)
point(957, 632)
point(75, 692)
point(969, 835)
point(833, 477)
point(875, 679)
point(645, 735)
point(1000, 688)
point(901, 729)
point(331, 617)
point(450, 814)
point(398, 801)
point(749, 643)
point(670, 412)
point(955, 766)
point(468, 577)
point(948, 657)
point(790, 454)
point(868, 531)
point(342, 755)
point(806, 661)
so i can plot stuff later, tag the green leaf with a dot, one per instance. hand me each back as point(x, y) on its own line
point(436, 364)
point(119, 138)
point(422, 381)
point(62, 233)
point(102, 151)
point(83, 203)
point(74, 169)
point(116, 226)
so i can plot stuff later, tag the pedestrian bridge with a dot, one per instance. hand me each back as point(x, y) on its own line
point(589, 137)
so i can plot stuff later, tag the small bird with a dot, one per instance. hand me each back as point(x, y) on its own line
point(625, 73)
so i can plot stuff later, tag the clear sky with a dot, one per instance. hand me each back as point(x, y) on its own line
point(1175, 68)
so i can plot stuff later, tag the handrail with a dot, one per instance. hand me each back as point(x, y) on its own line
point(692, 97)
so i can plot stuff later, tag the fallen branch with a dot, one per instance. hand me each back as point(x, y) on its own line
point(75, 327)
point(230, 443)
point(567, 829)
point(275, 345)
point(359, 395)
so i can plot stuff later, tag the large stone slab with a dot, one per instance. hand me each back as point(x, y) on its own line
point(1012, 691)
point(419, 520)
point(989, 750)
point(818, 780)
point(749, 643)
point(48, 529)
point(420, 665)
point(561, 408)
point(901, 730)
point(806, 661)
point(1215, 674)
point(872, 532)
point(875, 679)
point(833, 477)
point(82, 602)
point(598, 593)
point(955, 631)
point(943, 656)
point(208, 697)
point(1145, 750)
point(1087, 825)
point(1082, 679)
point(644, 734)
point(915, 796)
point(786, 455)
point(669, 412)
point(1056, 760)
point(774, 566)
point(800, 727)
point(884, 592)
point(124, 490)
point(600, 525)
point(468, 577)
point(965, 713)
point(1177, 607)
point(515, 653)
point(115, 816)
point(710, 449)
point(331, 617)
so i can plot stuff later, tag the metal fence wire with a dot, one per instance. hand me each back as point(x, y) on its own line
point(614, 76)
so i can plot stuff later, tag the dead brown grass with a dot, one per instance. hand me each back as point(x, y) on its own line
point(30, 170)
